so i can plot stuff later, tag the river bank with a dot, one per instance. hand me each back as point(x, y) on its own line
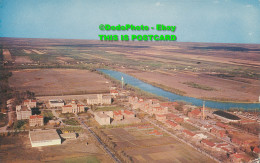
point(174, 97)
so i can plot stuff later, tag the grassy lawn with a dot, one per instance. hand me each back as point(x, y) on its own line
point(47, 114)
point(189, 127)
point(199, 86)
point(108, 108)
point(69, 129)
point(66, 115)
point(20, 125)
point(87, 159)
point(72, 122)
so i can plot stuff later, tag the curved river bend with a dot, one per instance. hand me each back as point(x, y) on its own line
point(174, 97)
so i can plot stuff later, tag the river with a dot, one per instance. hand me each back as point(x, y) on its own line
point(174, 97)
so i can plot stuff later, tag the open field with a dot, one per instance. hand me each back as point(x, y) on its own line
point(18, 149)
point(143, 147)
point(22, 60)
point(222, 88)
point(222, 72)
point(58, 81)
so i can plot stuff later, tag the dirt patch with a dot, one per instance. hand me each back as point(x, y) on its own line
point(59, 81)
point(22, 59)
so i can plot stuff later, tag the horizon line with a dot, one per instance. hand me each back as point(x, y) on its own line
point(125, 41)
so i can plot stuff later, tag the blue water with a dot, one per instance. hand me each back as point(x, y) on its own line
point(174, 97)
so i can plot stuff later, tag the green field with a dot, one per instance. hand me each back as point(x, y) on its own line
point(87, 159)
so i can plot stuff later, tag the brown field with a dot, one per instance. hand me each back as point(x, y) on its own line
point(148, 148)
point(231, 70)
point(224, 88)
point(18, 149)
point(22, 60)
point(58, 81)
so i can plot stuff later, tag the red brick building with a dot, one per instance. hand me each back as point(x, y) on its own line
point(188, 133)
point(36, 120)
point(208, 144)
point(196, 113)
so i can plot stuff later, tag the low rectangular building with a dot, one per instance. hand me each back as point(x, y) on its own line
point(102, 118)
point(40, 138)
point(56, 103)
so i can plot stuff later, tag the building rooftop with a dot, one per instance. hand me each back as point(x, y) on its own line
point(195, 112)
point(189, 132)
point(67, 106)
point(256, 150)
point(209, 143)
point(56, 101)
point(25, 108)
point(128, 112)
point(35, 116)
point(102, 115)
point(43, 135)
point(171, 123)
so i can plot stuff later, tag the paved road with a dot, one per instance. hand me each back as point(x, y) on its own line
point(101, 143)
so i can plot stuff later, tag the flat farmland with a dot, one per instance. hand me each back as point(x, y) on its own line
point(222, 89)
point(143, 147)
point(58, 81)
point(213, 71)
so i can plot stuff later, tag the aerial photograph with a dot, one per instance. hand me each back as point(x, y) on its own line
point(151, 81)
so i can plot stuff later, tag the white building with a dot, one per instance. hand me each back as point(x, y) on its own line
point(99, 99)
point(56, 103)
point(102, 118)
point(40, 138)
point(23, 112)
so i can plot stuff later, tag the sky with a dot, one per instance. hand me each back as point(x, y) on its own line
point(220, 21)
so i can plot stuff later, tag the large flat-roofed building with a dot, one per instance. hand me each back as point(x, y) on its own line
point(99, 99)
point(23, 112)
point(40, 138)
point(56, 103)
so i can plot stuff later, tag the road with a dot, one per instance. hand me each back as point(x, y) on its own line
point(100, 142)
